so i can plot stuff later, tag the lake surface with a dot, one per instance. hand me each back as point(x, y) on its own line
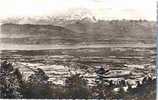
point(9, 46)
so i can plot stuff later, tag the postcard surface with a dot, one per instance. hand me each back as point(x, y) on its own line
point(78, 49)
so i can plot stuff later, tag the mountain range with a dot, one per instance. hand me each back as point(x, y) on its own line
point(80, 31)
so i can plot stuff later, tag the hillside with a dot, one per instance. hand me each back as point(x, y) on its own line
point(36, 34)
point(80, 31)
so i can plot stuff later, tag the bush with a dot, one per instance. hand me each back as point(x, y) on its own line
point(76, 87)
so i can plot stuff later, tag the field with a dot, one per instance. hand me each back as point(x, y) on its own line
point(138, 59)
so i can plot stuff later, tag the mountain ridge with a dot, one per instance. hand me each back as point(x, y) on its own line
point(76, 32)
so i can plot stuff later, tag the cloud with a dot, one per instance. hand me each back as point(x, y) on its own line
point(99, 8)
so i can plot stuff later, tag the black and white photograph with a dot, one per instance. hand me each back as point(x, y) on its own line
point(78, 49)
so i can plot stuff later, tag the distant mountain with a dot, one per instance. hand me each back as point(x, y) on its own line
point(117, 31)
point(36, 34)
point(81, 31)
point(116, 28)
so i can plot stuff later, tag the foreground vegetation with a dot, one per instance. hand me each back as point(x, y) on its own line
point(13, 85)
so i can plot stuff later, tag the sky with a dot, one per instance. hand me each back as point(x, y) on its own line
point(101, 9)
